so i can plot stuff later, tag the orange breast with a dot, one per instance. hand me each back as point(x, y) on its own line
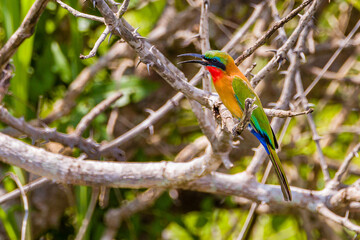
point(224, 88)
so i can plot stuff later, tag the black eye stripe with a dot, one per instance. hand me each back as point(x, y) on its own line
point(216, 63)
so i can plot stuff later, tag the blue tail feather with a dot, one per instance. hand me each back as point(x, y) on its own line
point(260, 138)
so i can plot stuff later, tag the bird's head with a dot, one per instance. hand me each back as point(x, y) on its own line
point(218, 63)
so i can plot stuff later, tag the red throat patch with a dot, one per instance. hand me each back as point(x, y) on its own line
point(215, 73)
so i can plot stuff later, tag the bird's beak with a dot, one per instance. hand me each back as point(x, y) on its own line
point(202, 62)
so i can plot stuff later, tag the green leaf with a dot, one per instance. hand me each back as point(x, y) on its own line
point(61, 64)
point(134, 90)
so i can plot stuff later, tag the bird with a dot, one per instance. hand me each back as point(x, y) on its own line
point(233, 89)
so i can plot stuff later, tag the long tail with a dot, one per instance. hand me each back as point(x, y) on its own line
point(280, 173)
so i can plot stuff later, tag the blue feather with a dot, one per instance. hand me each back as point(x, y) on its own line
point(260, 138)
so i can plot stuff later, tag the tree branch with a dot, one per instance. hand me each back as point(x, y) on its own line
point(25, 30)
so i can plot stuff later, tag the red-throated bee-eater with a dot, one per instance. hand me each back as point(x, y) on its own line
point(234, 88)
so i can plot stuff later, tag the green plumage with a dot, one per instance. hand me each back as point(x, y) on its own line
point(262, 130)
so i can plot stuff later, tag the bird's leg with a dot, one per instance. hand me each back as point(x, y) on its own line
point(245, 120)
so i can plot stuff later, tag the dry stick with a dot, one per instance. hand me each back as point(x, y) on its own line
point(343, 221)
point(98, 109)
point(339, 175)
point(261, 41)
point(26, 29)
point(79, 14)
point(123, 8)
point(27, 188)
point(110, 174)
point(275, 15)
point(332, 59)
point(281, 52)
point(87, 145)
point(315, 135)
point(5, 76)
point(24, 199)
point(97, 44)
point(85, 223)
point(102, 37)
point(205, 46)
point(245, 28)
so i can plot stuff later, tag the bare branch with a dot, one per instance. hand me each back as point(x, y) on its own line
point(101, 107)
point(271, 31)
point(283, 114)
point(332, 59)
point(343, 221)
point(316, 137)
point(27, 188)
point(97, 44)
point(242, 31)
point(85, 223)
point(280, 55)
point(339, 175)
point(158, 114)
point(35, 133)
point(123, 8)
point(25, 30)
point(24, 199)
point(5, 77)
point(77, 171)
point(79, 14)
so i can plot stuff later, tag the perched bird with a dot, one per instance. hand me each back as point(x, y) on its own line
point(234, 88)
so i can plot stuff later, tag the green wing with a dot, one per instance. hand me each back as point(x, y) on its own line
point(259, 120)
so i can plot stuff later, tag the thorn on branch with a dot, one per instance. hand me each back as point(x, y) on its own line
point(245, 120)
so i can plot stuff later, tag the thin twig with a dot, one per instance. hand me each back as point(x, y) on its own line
point(24, 199)
point(25, 31)
point(267, 35)
point(76, 13)
point(315, 135)
point(281, 52)
point(98, 109)
point(87, 145)
point(97, 44)
point(5, 77)
point(85, 223)
point(123, 9)
point(245, 28)
point(27, 188)
point(332, 59)
point(248, 71)
point(284, 114)
point(339, 175)
point(343, 221)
